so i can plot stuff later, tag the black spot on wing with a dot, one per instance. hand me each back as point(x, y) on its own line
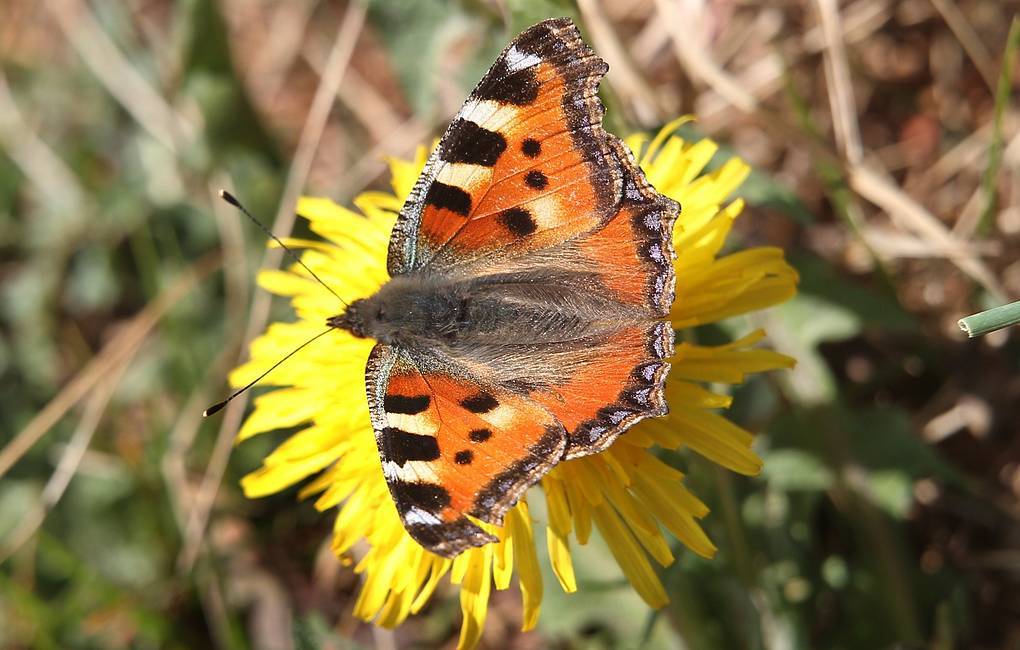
point(518, 221)
point(536, 180)
point(400, 446)
point(464, 457)
point(531, 147)
point(466, 142)
point(480, 435)
point(405, 404)
point(479, 403)
point(426, 496)
point(449, 197)
point(519, 88)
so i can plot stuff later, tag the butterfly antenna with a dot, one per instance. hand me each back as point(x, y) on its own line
point(232, 200)
point(219, 405)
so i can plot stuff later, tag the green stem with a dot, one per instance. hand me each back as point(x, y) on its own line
point(735, 530)
point(1002, 94)
point(991, 320)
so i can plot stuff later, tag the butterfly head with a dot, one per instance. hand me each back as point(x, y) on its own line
point(408, 310)
point(356, 319)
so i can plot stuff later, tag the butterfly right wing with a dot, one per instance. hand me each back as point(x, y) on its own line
point(606, 368)
point(453, 447)
point(623, 380)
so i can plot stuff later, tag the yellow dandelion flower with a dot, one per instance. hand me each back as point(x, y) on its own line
point(626, 492)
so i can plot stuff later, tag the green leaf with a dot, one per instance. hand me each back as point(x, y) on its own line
point(807, 321)
point(874, 306)
point(878, 439)
point(795, 469)
point(761, 190)
point(891, 491)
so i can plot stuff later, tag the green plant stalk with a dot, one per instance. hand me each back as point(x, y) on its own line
point(739, 544)
point(1002, 93)
point(993, 319)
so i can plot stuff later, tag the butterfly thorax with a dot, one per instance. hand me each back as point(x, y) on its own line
point(423, 311)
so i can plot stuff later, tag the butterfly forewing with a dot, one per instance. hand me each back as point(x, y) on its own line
point(525, 164)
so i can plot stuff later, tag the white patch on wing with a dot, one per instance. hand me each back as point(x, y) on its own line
point(501, 417)
point(423, 423)
point(413, 471)
point(545, 211)
point(464, 175)
point(517, 60)
point(418, 516)
point(488, 114)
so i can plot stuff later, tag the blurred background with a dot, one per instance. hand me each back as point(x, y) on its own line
point(886, 146)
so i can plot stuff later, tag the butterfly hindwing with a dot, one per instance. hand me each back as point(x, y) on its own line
point(524, 165)
point(617, 381)
point(452, 447)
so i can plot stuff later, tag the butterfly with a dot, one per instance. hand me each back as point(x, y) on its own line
point(525, 321)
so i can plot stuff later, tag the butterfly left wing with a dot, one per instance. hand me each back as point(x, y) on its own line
point(453, 447)
point(524, 165)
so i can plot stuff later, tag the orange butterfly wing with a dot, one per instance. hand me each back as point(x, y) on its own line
point(617, 383)
point(620, 378)
point(452, 446)
point(524, 165)
point(633, 252)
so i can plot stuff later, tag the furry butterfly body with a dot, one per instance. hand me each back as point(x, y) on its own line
point(525, 321)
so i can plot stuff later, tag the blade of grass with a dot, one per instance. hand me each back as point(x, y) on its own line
point(837, 81)
point(991, 320)
point(1002, 94)
point(123, 344)
point(697, 60)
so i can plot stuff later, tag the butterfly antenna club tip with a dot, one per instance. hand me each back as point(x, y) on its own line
point(230, 198)
point(215, 408)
